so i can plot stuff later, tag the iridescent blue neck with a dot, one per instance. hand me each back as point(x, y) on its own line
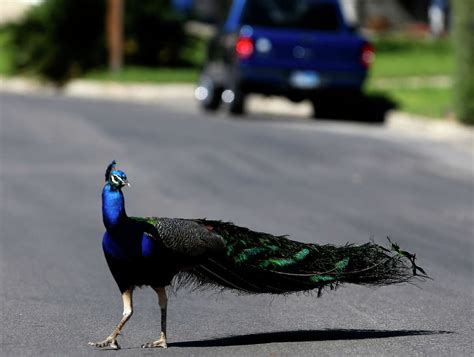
point(113, 207)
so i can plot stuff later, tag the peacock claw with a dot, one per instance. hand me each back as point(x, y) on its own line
point(108, 342)
point(161, 343)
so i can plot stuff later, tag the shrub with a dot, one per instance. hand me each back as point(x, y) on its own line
point(59, 39)
point(62, 39)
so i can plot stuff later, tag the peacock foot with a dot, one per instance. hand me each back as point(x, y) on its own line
point(161, 343)
point(108, 342)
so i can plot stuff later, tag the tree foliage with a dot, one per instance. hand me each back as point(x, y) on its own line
point(59, 39)
point(62, 39)
point(154, 34)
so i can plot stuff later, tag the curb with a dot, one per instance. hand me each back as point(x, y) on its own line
point(19, 85)
point(148, 93)
point(137, 92)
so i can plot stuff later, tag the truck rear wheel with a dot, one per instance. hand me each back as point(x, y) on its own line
point(208, 94)
point(237, 106)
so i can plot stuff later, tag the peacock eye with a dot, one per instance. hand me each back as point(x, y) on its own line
point(114, 179)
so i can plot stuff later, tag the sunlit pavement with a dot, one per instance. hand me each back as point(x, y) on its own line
point(318, 181)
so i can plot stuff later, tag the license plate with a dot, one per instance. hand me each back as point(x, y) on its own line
point(305, 79)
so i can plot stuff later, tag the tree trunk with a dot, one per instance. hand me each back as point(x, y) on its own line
point(114, 23)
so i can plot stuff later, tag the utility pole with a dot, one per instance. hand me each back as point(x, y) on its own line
point(114, 23)
point(463, 39)
point(361, 12)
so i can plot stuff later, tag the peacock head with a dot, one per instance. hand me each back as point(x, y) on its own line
point(116, 178)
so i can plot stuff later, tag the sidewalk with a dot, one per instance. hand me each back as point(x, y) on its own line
point(412, 82)
point(447, 131)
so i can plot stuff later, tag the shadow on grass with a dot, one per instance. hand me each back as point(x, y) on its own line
point(304, 336)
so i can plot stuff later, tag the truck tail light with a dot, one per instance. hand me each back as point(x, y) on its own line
point(244, 47)
point(368, 55)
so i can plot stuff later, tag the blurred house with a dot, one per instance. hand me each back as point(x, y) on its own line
point(378, 15)
point(383, 15)
point(375, 15)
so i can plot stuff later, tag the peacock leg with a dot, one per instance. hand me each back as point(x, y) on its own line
point(111, 341)
point(163, 302)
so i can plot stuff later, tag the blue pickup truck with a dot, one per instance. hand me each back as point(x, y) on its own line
point(300, 49)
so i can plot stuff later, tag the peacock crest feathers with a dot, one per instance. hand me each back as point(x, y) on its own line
point(109, 169)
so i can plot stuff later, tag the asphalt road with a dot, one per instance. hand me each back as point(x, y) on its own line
point(323, 182)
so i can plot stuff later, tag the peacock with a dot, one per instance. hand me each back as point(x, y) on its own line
point(159, 252)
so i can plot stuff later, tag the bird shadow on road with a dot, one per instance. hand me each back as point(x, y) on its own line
point(304, 336)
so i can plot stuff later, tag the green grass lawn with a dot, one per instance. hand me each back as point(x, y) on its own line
point(431, 102)
point(401, 57)
point(147, 75)
point(398, 58)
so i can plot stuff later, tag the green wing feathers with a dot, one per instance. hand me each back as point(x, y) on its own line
point(256, 262)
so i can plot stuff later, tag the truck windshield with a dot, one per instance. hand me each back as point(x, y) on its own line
point(295, 14)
